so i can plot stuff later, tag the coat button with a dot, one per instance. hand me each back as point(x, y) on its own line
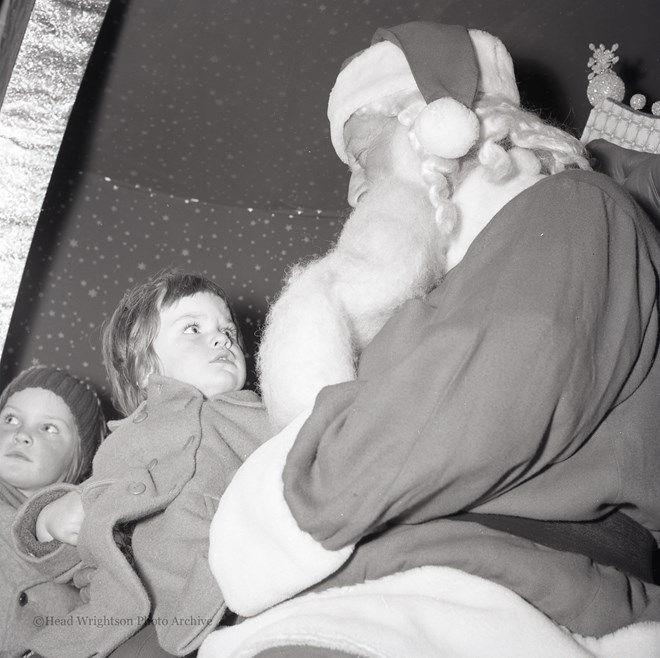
point(151, 464)
point(22, 599)
point(137, 487)
point(140, 416)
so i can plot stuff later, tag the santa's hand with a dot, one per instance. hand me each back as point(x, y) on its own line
point(61, 519)
point(257, 552)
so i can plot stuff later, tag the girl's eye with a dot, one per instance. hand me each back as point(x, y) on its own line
point(10, 419)
point(230, 331)
point(50, 428)
point(192, 328)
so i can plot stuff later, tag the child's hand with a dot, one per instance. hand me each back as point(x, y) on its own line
point(82, 579)
point(61, 519)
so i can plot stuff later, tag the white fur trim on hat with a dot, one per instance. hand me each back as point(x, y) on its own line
point(375, 73)
point(382, 70)
point(496, 76)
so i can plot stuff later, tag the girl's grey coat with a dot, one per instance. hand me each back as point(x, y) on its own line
point(27, 596)
point(165, 466)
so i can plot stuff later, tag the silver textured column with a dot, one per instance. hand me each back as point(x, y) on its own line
point(49, 68)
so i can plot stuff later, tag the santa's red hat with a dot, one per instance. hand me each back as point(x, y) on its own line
point(448, 64)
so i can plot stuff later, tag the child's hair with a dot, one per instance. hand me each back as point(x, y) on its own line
point(85, 407)
point(128, 353)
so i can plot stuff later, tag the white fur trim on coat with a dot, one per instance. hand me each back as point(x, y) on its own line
point(425, 612)
point(257, 553)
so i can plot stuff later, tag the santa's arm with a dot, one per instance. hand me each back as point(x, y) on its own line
point(505, 370)
point(371, 451)
point(459, 399)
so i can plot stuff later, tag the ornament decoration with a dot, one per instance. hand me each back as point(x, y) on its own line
point(610, 119)
point(603, 82)
point(602, 60)
point(638, 101)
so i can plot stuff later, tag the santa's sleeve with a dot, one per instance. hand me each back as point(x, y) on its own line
point(507, 368)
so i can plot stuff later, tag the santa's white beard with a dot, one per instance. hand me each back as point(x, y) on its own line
point(389, 251)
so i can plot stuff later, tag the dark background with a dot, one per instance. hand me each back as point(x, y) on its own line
point(199, 138)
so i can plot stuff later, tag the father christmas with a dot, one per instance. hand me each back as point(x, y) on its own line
point(524, 384)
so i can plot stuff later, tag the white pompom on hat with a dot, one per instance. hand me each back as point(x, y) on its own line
point(448, 64)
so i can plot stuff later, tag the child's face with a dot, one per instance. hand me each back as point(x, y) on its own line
point(38, 437)
point(196, 344)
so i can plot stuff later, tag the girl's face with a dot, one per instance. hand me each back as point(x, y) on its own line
point(197, 344)
point(38, 438)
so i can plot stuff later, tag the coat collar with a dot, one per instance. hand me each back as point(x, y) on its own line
point(11, 495)
point(163, 390)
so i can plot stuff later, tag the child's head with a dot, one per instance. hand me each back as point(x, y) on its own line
point(177, 324)
point(50, 427)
